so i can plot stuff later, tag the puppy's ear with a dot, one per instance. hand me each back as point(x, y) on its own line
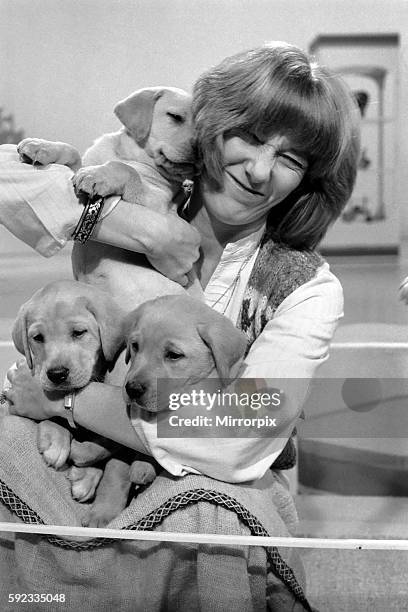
point(227, 344)
point(136, 111)
point(110, 319)
point(127, 355)
point(20, 335)
point(128, 324)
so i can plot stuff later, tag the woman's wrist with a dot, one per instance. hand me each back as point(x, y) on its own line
point(131, 227)
point(55, 408)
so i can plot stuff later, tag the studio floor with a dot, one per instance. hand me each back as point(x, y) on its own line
point(339, 580)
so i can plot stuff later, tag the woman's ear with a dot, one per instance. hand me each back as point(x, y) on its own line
point(136, 111)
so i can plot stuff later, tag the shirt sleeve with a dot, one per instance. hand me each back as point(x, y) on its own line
point(286, 354)
point(38, 203)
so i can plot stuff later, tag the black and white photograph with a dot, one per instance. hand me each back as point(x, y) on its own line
point(203, 305)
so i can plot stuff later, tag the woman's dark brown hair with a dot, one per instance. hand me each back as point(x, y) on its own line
point(277, 90)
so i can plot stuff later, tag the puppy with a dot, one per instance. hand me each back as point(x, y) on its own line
point(182, 340)
point(153, 152)
point(156, 141)
point(177, 338)
point(146, 162)
point(71, 334)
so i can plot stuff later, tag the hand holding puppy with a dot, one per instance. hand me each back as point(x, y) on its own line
point(25, 394)
point(177, 250)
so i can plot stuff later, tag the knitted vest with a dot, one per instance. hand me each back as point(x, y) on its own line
point(277, 272)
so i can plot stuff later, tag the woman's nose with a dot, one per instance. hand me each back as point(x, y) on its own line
point(260, 165)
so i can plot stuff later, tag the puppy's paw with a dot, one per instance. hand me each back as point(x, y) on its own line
point(98, 180)
point(87, 453)
point(84, 482)
point(54, 443)
point(100, 514)
point(39, 152)
point(142, 473)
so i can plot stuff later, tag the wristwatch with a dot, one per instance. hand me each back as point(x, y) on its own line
point(69, 401)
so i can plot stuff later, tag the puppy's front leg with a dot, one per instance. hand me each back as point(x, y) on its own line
point(43, 152)
point(142, 473)
point(90, 452)
point(111, 495)
point(54, 443)
point(84, 482)
point(112, 178)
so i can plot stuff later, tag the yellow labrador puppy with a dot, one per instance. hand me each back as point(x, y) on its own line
point(145, 162)
point(70, 334)
point(180, 339)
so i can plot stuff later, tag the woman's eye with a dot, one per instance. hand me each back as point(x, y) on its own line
point(176, 118)
point(78, 333)
point(173, 355)
point(135, 347)
point(38, 338)
point(293, 162)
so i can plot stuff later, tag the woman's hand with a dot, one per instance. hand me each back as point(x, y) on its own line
point(169, 243)
point(177, 249)
point(25, 395)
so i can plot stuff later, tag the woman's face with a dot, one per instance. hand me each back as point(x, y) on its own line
point(257, 176)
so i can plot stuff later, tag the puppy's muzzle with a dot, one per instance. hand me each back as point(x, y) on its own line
point(174, 168)
point(135, 390)
point(58, 375)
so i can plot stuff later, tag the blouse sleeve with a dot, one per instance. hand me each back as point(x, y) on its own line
point(288, 352)
point(38, 204)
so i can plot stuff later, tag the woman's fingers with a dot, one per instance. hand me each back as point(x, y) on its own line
point(183, 280)
point(18, 367)
point(24, 392)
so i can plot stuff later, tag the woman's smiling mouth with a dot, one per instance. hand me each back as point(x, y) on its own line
point(243, 186)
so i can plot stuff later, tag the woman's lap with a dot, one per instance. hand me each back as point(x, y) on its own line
point(150, 574)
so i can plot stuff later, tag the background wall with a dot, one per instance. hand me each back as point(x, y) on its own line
point(64, 64)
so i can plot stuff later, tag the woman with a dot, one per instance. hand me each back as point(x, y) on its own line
point(278, 142)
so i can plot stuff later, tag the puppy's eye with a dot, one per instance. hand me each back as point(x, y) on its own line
point(135, 347)
point(176, 118)
point(78, 333)
point(173, 355)
point(38, 338)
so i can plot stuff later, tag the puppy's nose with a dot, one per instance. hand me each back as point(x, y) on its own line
point(135, 389)
point(58, 375)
